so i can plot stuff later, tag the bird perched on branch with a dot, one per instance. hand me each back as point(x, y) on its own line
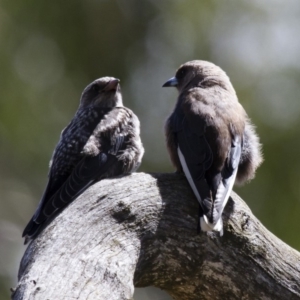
point(210, 138)
point(101, 141)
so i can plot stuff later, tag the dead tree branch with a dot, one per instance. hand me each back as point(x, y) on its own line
point(141, 230)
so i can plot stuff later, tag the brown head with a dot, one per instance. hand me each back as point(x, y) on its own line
point(200, 73)
point(103, 92)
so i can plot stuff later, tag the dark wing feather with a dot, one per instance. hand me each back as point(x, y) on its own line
point(65, 157)
point(195, 157)
point(68, 151)
point(117, 144)
point(88, 171)
point(106, 151)
point(228, 178)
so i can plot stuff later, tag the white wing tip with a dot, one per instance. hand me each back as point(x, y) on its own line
point(207, 226)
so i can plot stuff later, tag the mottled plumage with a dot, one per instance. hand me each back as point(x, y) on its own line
point(101, 141)
point(210, 138)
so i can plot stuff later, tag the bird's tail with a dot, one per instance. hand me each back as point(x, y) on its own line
point(31, 231)
point(208, 226)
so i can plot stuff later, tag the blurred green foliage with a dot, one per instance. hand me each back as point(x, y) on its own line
point(49, 51)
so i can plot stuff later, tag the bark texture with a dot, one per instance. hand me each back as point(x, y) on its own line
point(141, 230)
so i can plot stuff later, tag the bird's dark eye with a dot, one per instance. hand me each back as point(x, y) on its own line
point(181, 73)
point(95, 88)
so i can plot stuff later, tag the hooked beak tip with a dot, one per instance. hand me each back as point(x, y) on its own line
point(171, 82)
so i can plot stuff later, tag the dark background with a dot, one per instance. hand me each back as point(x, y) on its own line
point(49, 51)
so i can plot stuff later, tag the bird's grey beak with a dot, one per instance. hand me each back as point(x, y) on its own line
point(112, 85)
point(171, 82)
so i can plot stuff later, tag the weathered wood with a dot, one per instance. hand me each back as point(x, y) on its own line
point(141, 230)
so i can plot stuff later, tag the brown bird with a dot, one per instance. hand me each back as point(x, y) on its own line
point(101, 141)
point(210, 138)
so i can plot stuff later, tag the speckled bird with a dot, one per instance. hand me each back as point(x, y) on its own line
point(101, 141)
point(210, 138)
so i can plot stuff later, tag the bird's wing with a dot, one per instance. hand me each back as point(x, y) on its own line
point(68, 150)
point(84, 174)
point(95, 167)
point(87, 170)
point(228, 176)
point(195, 156)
